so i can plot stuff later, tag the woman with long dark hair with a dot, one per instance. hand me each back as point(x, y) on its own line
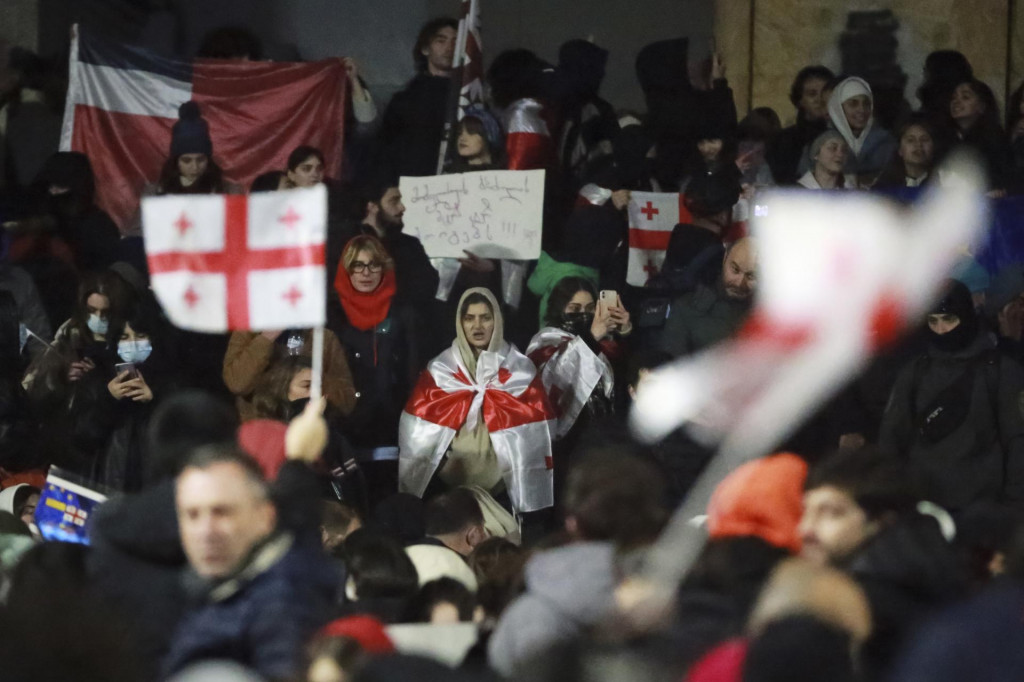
point(975, 112)
point(190, 167)
point(913, 161)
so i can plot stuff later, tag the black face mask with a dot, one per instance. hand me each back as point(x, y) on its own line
point(295, 407)
point(958, 338)
point(577, 323)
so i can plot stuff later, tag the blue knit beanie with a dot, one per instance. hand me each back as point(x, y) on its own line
point(191, 134)
point(492, 131)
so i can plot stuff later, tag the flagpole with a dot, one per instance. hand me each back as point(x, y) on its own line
point(453, 100)
point(316, 388)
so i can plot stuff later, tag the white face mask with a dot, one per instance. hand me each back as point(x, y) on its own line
point(136, 351)
point(97, 324)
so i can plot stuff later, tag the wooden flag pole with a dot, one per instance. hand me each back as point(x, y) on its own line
point(316, 388)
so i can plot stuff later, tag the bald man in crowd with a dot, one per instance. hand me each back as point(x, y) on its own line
point(709, 314)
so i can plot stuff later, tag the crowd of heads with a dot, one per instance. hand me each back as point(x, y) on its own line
point(251, 522)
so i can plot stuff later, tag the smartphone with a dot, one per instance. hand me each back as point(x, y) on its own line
point(122, 367)
point(608, 297)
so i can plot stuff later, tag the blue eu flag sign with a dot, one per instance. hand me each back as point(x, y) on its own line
point(65, 508)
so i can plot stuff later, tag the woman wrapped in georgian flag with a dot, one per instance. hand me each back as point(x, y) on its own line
point(573, 351)
point(479, 414)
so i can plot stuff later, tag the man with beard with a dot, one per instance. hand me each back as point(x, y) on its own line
point(709, 314)
point(382, 211)
point(955, 413)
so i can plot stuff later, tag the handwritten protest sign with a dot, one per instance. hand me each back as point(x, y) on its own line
point(494, 214)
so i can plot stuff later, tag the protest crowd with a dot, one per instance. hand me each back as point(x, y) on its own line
point(468, 473)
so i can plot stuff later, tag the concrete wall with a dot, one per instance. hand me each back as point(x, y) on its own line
point(789, 34)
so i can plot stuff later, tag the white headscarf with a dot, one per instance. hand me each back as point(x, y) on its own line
point(848, 88)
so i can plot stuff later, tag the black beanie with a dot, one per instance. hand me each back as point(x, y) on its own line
point(191, 134)
point(957, 301)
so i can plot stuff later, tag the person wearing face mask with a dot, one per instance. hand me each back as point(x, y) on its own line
point(110, 406)
point(479, 415)
point(574, 351)
point(102, 296)
point(955, 414)
point(850, 109)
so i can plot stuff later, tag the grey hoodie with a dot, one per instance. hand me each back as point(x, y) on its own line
point(568, 590)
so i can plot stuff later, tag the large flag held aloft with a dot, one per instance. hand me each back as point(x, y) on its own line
point(239, 262)
point(122, 101)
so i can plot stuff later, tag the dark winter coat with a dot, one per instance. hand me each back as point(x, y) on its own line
point(263, 615)
point(701, 318)
point(413, 125)
point(983, 458)
point(788, 149)
point(385, 362)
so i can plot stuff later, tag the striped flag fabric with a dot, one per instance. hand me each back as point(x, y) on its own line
point(122, 101)
point(471, 89)
point(652, 215)
point(221, 263)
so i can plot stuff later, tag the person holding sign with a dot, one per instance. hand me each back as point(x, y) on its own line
point(479, 415)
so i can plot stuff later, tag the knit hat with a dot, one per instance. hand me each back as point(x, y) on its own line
point(1005, 286)
point(724, 663)
point(820, 141)
point(366, 630)
point(550, 272)
point(191, 134)
point(263, 439)
point(763, 499)
point(8, 495)
point(433, 562)
point(492, 130)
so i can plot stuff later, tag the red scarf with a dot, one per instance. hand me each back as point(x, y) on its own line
point(365, 310)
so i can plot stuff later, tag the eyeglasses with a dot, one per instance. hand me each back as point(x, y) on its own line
point(359, 267)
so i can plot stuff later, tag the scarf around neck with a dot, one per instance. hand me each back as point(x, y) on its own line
point(365, 310)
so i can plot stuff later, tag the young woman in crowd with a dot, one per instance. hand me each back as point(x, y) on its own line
point(479, 144)
point(457, 423)
point(110, 406)
point(913, 162)
point(850, 109)
point(190, 167)
point(829, 153)
point(809, 94)
point(379, 338)
point(579, 341)
point(250, 354)
point(975, 112)
point(305, 167)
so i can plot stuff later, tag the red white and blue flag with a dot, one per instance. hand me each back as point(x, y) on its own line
point(652, 215)
point(234, 262)
point(123, 100)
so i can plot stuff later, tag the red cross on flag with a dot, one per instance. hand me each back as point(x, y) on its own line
point(652, 215)
point(239, 262)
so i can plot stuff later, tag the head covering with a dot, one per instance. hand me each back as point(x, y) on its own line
point(7, 497)
point(365, 310)
point(820, 141)
point(191, 134)
point(724, 663)
point(366, 630)
point(764, 499)
point(492, 129)
point(497, 338)
point(433, 562)
point(550, 272)
point(849, 88)
point(957, 301)
point(1005, 286)
point(263, 439)
point(581, 68)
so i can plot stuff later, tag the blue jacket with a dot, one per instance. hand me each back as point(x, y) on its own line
point(263, 615)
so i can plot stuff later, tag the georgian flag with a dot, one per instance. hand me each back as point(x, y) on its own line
point(570, 371)
point(220, 262)
point(508, 395)
point(652, 215)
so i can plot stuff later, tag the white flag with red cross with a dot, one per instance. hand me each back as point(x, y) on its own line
point(221, 263)
point(652, 215)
